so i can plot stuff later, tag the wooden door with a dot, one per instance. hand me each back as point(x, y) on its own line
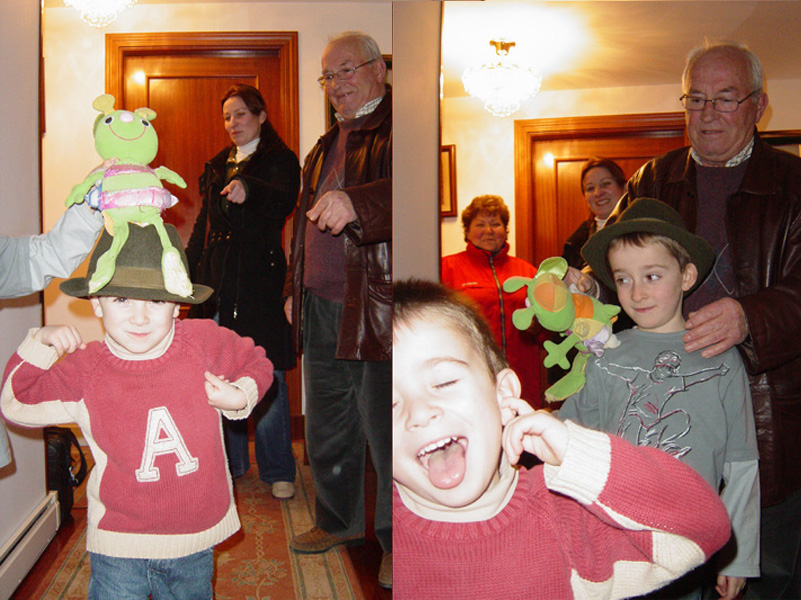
point(549, 154)
point(183, 76)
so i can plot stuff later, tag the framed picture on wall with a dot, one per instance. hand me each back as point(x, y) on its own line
point(447, 181)
point(330, 119)
point(788, 140)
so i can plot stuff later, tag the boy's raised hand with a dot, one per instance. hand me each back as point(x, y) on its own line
point(64, 339)
point(537, 432)
point(224, 395)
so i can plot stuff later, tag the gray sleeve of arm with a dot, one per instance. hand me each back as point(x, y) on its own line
point(59, 252)
point(740, 556)
point(15, 277)
point(5, 449)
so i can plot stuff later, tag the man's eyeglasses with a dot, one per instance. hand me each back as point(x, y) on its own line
point(724, 105)
point(342, 74)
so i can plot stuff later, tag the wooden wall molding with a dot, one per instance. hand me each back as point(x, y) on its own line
point(281, 43)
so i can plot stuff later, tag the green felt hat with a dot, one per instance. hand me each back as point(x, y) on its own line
point(646, 215)
point(138, 271)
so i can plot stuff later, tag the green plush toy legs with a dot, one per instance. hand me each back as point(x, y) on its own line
point(557, 353)
point(176, 279)
point(571, 383)
point(106, 264)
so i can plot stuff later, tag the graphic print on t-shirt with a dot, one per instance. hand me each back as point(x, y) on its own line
point(648, 418)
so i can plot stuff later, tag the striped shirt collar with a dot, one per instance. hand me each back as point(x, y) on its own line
point(364, 110)
point(739, 158)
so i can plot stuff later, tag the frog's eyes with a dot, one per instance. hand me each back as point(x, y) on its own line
point(108, 120)
point(145, 122)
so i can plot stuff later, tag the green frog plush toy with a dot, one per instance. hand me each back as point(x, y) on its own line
point(584, 322)
point(128, 191)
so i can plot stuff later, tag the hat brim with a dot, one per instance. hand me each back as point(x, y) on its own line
point(78, 287)
point(138, 271)
point(594, 251)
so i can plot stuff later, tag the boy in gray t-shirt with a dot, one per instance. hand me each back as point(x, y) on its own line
point(652, 392)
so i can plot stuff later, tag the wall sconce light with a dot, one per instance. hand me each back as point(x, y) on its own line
point(100, 13)
point(502, 85)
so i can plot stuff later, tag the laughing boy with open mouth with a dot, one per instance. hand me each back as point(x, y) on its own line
point(600, 519)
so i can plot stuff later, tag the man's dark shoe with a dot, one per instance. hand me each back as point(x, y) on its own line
point(316, 540)
point(385, 571)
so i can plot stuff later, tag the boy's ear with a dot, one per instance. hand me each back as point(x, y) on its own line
point(176, 311)
point(96, 308)
point(689, 277)
point(507, 384)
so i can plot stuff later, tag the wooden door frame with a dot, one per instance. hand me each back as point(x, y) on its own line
point(529, 131)
point(284, 43)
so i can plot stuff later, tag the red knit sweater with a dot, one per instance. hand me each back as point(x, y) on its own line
point(160, 487)
point(613, 521)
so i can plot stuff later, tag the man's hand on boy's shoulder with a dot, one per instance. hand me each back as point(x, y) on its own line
point(536, 432)
point(224, 395)
point(64, 339)
point(716, 327)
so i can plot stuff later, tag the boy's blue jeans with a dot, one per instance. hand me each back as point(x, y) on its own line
point(273, 438)
point(185, 578)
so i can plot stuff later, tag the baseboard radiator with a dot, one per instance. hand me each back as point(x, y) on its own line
point(21, 552)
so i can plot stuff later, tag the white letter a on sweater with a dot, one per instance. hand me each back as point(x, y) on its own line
point(163, 437)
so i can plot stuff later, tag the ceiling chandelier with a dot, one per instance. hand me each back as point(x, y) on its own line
point(502, 85)
point(100, 12)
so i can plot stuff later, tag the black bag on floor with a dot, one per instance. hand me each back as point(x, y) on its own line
point(62, 473)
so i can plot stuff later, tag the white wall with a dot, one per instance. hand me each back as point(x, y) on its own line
point(485, 144)
point(75, 75)
point(22, 484)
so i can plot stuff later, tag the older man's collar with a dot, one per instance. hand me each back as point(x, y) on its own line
point(739, 158)
point(364, 110)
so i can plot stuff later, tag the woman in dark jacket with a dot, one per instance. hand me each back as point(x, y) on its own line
point(602, 185)
point(249, 189)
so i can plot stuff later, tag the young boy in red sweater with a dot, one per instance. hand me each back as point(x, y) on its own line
point(601, 518)
point(148, 401)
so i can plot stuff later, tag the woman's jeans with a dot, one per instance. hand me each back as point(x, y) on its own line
point(185, 578)
point(273, 440)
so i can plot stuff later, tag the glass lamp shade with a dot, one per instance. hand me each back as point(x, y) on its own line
point(501, 85)
point(99, 13)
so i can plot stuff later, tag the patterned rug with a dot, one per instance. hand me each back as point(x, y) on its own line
point(254, 564)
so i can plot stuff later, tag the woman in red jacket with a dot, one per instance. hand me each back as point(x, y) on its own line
point(480, 271)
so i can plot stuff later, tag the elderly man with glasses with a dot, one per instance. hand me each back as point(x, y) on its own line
point(339, 300)
point(744, 197)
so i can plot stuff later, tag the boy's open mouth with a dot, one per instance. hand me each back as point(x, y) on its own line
point(445, 461)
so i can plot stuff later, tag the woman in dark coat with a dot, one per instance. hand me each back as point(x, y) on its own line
point(602, 185)
point(249, 189)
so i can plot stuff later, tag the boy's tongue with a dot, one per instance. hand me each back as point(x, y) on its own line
point(446, 467)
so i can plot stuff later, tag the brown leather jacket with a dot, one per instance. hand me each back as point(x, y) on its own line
point(365, 332)
point(763, 222)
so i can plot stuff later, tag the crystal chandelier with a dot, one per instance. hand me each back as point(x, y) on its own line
point(502, 85)
point(100, 12)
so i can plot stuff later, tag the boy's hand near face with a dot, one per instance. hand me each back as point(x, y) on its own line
point(537, 432)
point(64, 339)
point(224, 395)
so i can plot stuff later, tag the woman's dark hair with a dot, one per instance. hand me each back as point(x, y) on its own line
point(607, 163)
point(256, 105)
